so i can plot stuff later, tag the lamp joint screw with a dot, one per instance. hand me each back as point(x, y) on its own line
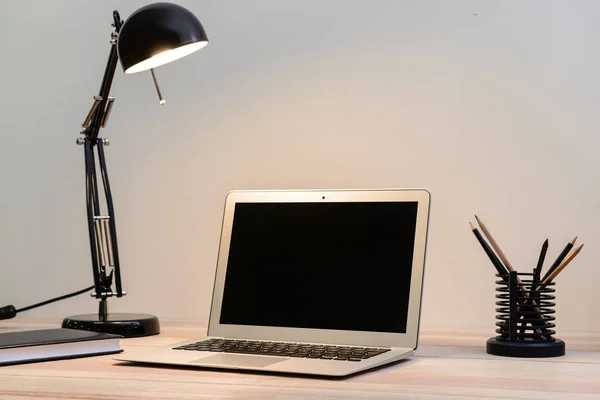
point(80, 141)
point(106, 142)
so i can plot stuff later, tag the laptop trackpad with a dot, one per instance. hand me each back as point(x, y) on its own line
point(239, 360)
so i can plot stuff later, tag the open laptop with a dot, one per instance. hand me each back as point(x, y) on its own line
point(323, 282)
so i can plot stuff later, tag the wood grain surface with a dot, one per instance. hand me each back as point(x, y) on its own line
point(447, 365)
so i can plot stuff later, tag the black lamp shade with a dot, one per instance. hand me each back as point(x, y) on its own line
point(157, 34)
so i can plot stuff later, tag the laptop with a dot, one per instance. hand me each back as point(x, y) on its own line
point(320, 282)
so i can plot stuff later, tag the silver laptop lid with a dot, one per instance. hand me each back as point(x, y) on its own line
point(324, 266)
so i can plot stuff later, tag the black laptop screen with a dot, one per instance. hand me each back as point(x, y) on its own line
point(341, 266)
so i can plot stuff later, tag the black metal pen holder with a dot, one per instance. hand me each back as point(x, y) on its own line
point(524, 319)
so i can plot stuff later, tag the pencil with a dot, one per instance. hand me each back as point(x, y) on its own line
point(538, 269)
point(500, 253)
point(562, 266)
point(490, 253)
point(560, 258)
point(494, 244)
point(532, 292)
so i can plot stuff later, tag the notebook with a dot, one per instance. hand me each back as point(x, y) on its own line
point(321, 282)
point(54, 344)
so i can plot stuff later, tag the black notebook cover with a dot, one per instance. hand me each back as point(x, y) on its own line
point(53, 344)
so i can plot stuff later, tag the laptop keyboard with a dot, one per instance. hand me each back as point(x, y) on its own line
point(285, 349)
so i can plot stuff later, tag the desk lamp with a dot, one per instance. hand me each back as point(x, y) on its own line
point(153, 35)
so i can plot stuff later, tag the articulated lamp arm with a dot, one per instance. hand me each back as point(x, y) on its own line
point(102, 228)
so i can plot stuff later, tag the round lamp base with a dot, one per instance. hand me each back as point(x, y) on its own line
point(530, 349)
point(124, 324)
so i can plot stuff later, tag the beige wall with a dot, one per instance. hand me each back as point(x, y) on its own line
point(492, 106)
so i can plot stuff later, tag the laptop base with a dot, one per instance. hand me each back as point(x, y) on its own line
point(166, 355)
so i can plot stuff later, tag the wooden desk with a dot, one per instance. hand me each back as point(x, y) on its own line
point(438, 371)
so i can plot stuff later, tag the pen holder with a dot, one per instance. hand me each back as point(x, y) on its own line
point(525, 319)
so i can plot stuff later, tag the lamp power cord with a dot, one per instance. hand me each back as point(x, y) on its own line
point(8, 312)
